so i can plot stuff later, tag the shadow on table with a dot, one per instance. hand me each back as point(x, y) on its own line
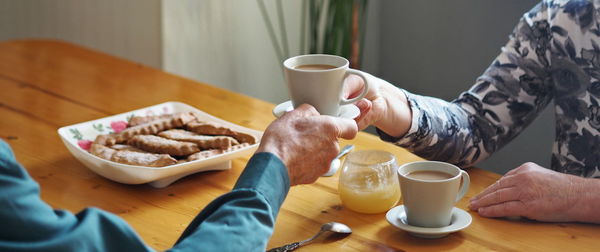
point(402, 239)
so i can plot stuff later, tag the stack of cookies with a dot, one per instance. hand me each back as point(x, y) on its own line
point(168, 139)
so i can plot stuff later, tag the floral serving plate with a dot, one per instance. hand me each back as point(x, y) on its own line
point(79, 137)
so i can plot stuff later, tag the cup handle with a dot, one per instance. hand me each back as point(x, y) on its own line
point(365, 88)
point(465, 185)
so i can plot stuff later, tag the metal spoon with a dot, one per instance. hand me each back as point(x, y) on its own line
point(335, 163)
point(335, 227)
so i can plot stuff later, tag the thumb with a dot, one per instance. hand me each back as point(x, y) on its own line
point(346, 128)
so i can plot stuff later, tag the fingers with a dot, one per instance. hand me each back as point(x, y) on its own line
point(509, 208)
point(513, 171)
point(496, 197)
point(353, 85)
point(365, 107)
point(305, 110)
point(342, 127)
point(504, 182)
point(523, 168)
point(508, 180)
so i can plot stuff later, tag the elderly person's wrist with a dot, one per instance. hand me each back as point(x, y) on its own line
point(397, 115)
point(278, 150)
point(268, 147)
point(585, 200)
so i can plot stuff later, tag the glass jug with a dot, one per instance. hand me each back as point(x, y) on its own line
point(368, 181)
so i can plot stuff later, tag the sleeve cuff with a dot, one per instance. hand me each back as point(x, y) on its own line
point(266, 174)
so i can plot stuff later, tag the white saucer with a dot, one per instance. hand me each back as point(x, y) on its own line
point(460, 220)
point(349, 111)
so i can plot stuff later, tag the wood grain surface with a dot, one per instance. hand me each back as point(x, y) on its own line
point(46, 84)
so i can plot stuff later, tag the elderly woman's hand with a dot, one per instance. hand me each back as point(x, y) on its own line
point(306, 142)
point(536, 193)
point(384, 106)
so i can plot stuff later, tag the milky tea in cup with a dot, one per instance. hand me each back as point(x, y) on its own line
point(318, 80)
point(429, 175)
point(314, 67)
point(430, 189)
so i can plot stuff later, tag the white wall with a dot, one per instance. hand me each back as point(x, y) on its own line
point(129, 29)
point(225, 43)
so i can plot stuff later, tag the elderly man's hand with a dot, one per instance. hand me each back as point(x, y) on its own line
point(533, 192)
point(306, 142)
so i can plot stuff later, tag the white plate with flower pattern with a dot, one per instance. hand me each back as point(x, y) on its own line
point(78, 138)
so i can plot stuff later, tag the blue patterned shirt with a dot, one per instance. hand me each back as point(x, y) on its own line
point(553, 54)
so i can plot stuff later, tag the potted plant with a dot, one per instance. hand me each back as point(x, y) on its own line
point(327, 26)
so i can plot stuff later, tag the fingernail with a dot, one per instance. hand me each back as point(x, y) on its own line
point(472, 207)
point(361, 104)
point(480, 210)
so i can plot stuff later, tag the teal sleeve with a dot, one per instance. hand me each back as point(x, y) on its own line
point(29, 224)
point(243, 219)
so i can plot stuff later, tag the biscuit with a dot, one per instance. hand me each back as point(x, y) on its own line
point(209, 153)
point(151, 128)
point(132, 157)
point(126, 147)
point(145, 159)
point(204, 142)
point(137, 120)
point(102, 139)
point(161, 145)
point(204, 154)
point(244, 138)
point(237, 147)
point(214, 129)
point(102, 151)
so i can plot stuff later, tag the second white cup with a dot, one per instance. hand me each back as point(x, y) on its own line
point(430, 189)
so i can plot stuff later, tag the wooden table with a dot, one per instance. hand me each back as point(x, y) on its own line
point(49, 84)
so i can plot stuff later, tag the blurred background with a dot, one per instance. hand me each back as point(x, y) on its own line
point(429, 47)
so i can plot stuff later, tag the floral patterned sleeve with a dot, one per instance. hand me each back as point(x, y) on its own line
point(503, 101)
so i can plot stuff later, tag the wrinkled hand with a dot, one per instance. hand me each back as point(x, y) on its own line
point(306, 142)
point(384, 105)
point(530, 191)
point(372, 107)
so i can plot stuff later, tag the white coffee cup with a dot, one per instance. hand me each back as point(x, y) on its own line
point(430, 189)
point(320, 87)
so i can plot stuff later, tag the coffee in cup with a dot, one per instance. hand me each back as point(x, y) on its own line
point(430, 189)
point(314, 67)
point(429, 175)
point(318, 80)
